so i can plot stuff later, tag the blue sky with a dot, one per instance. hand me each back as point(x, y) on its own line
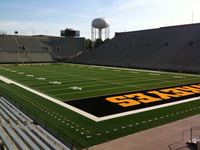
point(51, 16)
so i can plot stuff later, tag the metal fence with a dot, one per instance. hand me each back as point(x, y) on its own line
point(186, 135)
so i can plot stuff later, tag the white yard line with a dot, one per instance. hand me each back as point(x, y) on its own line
point(50, 98)
point(5, 80)
point(149, 108)
point(113, 88)
point(90, 116)
point(97, 119)
point(139, 70)
point(111, 82)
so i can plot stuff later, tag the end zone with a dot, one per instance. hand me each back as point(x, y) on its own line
point(113, 106)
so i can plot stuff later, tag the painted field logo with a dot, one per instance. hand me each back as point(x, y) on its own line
point(152, 96)
point(107, 107)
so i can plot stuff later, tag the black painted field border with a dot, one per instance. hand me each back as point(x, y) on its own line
point(100, 107)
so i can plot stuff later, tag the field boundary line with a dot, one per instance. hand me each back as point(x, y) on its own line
point(139, 70)
point(88, 115)
point(8, 81)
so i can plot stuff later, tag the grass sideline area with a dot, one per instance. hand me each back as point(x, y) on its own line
point(72, 81)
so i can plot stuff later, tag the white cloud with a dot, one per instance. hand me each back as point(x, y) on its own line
point(45, 28)
point(130, 4)
point(123, 15)
point(45, 12)
point(78, 15)
point(29, 28)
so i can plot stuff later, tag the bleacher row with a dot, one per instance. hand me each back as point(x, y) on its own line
point(174, 48)
point(64, 48)
point(20, 49)
point(18, 131)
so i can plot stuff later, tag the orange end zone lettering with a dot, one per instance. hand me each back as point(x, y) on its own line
point(142, 98)
point(176, 92)
point(122, 101)
point(135, 102)
point(133, 99)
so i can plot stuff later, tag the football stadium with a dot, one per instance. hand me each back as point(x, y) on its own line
point(56, 92)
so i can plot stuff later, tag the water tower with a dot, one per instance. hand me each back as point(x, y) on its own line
point(100, 27)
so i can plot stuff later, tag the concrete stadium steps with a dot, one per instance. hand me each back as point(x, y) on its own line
point(8, 44)
point(6, 138)
point(14, 48)
point(17, 129)
point(12, 43)
point(63, 48)
point(20, 129)
point(12, 134)
point(20, 58)
point(23, 49)
point(173, 48)
point(18, 112)
point(44, 137)
point(32, 44)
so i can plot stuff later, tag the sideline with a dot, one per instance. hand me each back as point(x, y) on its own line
point(139, 70)
point(8, 81)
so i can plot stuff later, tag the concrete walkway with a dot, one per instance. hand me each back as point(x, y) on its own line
point(156, 138)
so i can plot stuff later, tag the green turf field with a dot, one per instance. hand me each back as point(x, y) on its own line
point(72, 81)
point(93, 81)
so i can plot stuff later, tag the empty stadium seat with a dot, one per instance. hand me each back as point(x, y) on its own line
point(169, 48)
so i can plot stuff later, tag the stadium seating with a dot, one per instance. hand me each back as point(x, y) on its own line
point(16, 126)
point(174, 48)
point(8, 44)
point(22, 49)
point(4, 137)
point(38, 48)
point(63, 48)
